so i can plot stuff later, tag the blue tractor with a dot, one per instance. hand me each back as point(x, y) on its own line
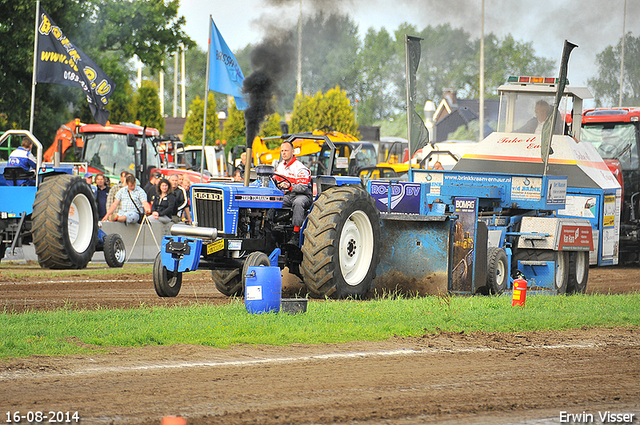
point(236, 227)
point(53, 209)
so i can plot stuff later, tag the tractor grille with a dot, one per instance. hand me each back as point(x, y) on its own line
point(208, 207)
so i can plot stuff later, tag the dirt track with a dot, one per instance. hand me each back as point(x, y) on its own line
point(446, 378)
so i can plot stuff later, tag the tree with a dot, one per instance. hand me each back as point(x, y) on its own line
point(331, 109)
point(376, 60)
point(503, 58)
point(271, 128)
point(193, 124)
point(336, 112)
point(304, 115)
point(146, 106)
point(606, 84)
point(110, 32)
point(234, 131)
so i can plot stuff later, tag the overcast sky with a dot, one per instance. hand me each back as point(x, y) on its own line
point(591, 24)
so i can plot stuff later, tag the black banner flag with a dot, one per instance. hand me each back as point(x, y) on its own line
point(550, 123)
point(418, 134)
point(60, 62)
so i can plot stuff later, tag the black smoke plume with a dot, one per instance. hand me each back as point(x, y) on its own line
point(271, 60)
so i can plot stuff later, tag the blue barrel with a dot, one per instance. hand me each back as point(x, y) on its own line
point(263, 288)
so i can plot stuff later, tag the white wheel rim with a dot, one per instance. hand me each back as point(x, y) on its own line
point(560, 267)
point(120, 251)
point(581, 264)
point(80, 223)
point(500, 273)
point(356, 248)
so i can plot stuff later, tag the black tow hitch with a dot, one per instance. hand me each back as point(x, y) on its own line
point(177, 249)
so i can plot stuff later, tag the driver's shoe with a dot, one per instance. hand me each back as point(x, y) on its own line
point(295, 239)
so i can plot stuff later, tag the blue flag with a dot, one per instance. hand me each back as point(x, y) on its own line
point(225, 75)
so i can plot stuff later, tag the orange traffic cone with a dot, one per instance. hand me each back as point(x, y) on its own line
point(519, 292)
point(173, 420)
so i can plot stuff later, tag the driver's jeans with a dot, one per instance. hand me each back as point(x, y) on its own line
point(299, 203)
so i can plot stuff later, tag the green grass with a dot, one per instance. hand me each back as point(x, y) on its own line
point(69, 331)
point(32, 269)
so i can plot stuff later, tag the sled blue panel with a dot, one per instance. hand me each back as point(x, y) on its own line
point(414, 253)
point(16, 200)
point(540, 275)
point(180, 254)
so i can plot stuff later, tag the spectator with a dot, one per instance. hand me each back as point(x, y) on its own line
point(297, 190)
point(150, 187)
point(116, 188)
point(181, 198)
point(88, 178)
point(164, 202)
point(186, 185)
point(238, 174)
point(134, 203)
point(102, 192)
point(23, 158)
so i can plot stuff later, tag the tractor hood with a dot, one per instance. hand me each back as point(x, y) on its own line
point(519, 153)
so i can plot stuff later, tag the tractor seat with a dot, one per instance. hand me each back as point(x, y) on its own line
point(13, 174)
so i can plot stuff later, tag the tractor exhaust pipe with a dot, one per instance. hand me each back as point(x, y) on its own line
point(248, 165)
point(194, 232)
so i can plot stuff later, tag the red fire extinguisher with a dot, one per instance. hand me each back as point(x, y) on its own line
point(519, 291)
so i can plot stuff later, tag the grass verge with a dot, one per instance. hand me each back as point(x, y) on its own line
point(67, 331)
point(10, 271)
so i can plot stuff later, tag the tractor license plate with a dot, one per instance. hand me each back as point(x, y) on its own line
point(216, 246)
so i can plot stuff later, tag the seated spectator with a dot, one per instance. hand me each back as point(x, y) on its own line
point(164, 202)
point(116, 188)
point(181, 198)
point(134, 203)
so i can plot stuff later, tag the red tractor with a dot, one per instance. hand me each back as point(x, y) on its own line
point(114, 148)
point(615, 133)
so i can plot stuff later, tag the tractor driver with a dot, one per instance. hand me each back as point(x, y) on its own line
point(542, 110)
point(298, 194)
point(23, 158)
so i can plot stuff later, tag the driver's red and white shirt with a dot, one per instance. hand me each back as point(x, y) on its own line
point(297, 173)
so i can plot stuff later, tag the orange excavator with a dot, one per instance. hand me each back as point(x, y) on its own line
point(66, 137)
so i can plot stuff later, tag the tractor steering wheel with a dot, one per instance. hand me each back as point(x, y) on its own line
point(285, 182)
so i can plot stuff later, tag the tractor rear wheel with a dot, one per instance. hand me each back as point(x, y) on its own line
point(578, 272)
point(497, 271)
point(228, 282)
point(65, 223)
point(115, 252)
point(341, 243)
point(166, 283)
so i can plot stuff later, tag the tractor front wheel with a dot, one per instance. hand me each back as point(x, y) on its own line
point(115, 252)
point(166, 283)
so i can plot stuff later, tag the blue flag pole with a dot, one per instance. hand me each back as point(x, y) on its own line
point(206, 98)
